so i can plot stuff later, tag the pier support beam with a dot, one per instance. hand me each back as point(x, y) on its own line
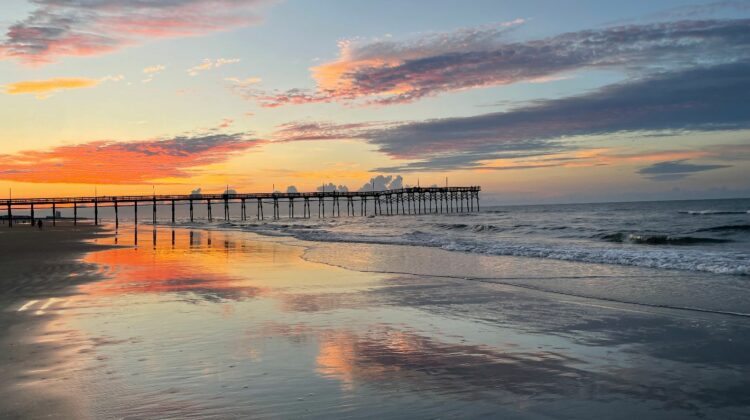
point(96, 212)
point(10, 215)
point(153, 213)
point(191, 212)
point(117, 215)
point(32, 215)
point(173, 215)
point(210, 216)
point(54, 215)
point(135, 212)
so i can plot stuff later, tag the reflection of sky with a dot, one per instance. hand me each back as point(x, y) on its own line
point(247, 328)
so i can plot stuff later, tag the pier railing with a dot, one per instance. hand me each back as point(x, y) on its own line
point(415, 200)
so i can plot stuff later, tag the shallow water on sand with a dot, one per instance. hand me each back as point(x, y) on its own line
point(224, 324)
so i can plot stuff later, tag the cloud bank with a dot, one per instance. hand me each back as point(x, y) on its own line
point(701, 99)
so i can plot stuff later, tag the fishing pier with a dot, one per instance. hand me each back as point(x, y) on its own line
point(402, 201)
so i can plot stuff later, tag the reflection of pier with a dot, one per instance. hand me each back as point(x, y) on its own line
point(388, 202)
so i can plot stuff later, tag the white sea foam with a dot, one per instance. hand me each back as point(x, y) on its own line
point(666, 235)
point(691, 260)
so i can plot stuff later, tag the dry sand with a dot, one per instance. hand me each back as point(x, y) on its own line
point(37, 265)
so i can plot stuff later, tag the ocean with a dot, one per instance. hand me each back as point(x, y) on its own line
point(710, 236)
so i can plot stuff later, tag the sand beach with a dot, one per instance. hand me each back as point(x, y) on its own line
point(195, 323)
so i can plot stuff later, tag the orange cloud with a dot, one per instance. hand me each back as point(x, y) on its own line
point(134, 162)
point(43, 88)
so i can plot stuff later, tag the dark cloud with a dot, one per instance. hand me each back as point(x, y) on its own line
point(703, 99)
point(700, 99)
point(675, 169)
point(386, 72)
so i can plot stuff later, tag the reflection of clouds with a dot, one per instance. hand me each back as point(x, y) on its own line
point(291, 302)
point(203, 273)
point(385, 355)
point(406, 361)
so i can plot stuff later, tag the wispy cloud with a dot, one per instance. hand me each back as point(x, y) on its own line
point(390, 72)
point(236, 82)
point(324, 130)
point(155, 69)
point(60, 28)
point(44, 88)
point(130, 162)
point(152, 71)
point(208, 64)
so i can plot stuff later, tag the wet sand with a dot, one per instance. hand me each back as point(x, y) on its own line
point(39, 267)
point(224, 324)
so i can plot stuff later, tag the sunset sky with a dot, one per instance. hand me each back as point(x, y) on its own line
point(536, 101)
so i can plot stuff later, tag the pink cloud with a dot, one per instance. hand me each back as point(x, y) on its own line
point(60, 28)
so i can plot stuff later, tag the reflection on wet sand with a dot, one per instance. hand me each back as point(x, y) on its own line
point(206, 274)
point(215, 323)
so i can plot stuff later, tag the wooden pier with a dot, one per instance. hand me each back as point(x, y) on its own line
point(387, 202)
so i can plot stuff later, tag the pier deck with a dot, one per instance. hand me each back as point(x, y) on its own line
point(403, 201)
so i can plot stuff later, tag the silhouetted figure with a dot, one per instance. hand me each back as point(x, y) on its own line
point(39, 224)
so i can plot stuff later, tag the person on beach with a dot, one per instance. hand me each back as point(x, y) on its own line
point(39, 224)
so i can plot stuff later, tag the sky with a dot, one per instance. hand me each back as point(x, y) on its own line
point(535, 101)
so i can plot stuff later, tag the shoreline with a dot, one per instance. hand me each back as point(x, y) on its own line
point(38, 268)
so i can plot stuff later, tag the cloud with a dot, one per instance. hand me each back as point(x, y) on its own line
point(701, 99)
point(675, 169)
point(43, 88)
point(704, 99)
point(132, 162)
point(112, 78)
point(156, 69)
point(323, 130)
point(208, 64)
point(243, 83)
point(389, 72)
point(331, 187)
point(63, 28)
point(382, 182)
point(226, 123)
